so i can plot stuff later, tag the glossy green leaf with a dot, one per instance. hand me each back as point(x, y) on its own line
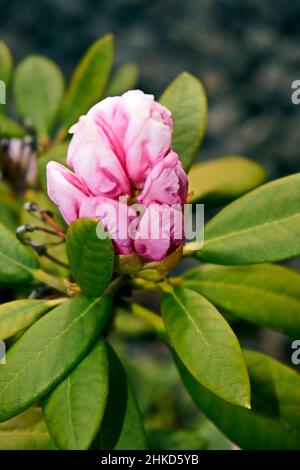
point(221, 180)
point(74, 409)
point(27, 431)
point(266, 295)
point(57, 153)
point(10, 128)
point(206, 344)
point(185, 98)
point(5, 62)
point(273, 423)
point(17, 315)
point(88, 81)
point(46, 352)
point(91, 259)
point(262, 226)
point(38, 90)
point(124, 79)
point(122, 427)
point(17, 262)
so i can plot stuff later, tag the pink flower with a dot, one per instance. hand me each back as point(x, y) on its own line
point(121, 148)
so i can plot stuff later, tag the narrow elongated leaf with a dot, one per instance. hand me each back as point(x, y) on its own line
point(185, 98)
point(75, 408)
point(262, 226)
point(273, 423)
point(48, 351)
point(91, 259)
point(16, 261)
point(38, 90)
point(221, 180)
point(10, 128)
point(57, 153)
point(267, 295)
point(5, 62)
point(124, 79)
point(122, 427)
point(206, 345)
point(20, 314)
point(27, 431)
point(88, 81)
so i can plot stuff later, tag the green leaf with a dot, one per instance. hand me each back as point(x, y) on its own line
point(91, 259)
point(46, 352)
point(17, 262)
point(185, 98)
point(74, 409)
point(125, 78)
point(8, 217)
point(206, 344)
point(57, 153)
point(6, 62)
point(262, 226)
point(9, 208)
point(266, 295)
point(27, 431)
point(122, 427)
point(10, 128)
point(219, 181)
point(38, 90)
point(88, 82)
point(273, 423)
point(20, 314)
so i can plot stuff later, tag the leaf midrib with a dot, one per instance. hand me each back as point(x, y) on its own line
point(17, 263)
point(246, 288)
point(253, 228)
point(192, 320)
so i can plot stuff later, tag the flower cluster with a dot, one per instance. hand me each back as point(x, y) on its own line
point(121, 155)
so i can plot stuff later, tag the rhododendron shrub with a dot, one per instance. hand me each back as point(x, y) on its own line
point(93, 191)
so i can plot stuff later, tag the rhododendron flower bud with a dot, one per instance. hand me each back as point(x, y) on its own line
point(159, 232)
point(122, 148)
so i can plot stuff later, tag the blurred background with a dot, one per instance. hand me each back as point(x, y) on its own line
point(247, 53)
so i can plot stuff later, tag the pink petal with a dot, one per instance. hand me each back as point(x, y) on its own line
point(65, 190)
point(101, 171)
